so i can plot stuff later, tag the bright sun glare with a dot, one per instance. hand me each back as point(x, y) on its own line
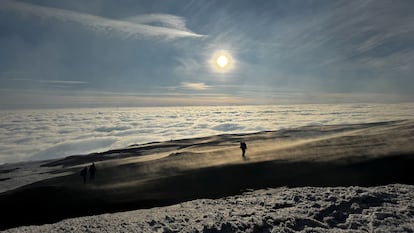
point(222, 61)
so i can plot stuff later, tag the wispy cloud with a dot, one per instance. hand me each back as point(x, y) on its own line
point(15, 73)
point(59, 84)
point(62, 82)
point(351, 31)
point(46, 81)
point(171, 26)
point(165, 20)
point(64, 98)
point(195, 86)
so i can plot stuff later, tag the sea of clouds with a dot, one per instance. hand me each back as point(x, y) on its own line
point(54, 133)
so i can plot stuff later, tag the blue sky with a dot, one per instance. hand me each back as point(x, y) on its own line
point(160, 53)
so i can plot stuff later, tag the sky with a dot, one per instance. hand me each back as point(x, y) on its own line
point(125, 53)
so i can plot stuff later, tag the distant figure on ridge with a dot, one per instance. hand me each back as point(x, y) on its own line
point(84, 173)
point(243, 147)
point(92, 170)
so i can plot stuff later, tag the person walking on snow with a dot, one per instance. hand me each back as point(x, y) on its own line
point(92, 170)
point(84, 173)
point(243, 147)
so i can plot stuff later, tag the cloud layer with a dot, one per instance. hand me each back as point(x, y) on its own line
point(171, 26)
point(44, 134)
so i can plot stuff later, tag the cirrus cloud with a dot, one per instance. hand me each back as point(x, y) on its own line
point(171, 26)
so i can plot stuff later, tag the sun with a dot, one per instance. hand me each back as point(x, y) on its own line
point(222, 61)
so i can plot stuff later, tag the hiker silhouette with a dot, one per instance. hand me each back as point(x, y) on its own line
point(92, 170)
point(84, 173)
point(243, 147)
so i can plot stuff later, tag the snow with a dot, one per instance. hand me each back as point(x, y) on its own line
point(387, 208)
point(16, 175)
point(179, 170)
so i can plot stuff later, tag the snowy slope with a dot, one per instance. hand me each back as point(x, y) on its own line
point(165, 173)
point(341, 209)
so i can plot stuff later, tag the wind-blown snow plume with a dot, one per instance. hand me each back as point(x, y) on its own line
point(170, 26)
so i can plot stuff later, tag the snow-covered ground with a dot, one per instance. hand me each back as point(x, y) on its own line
point(341, 209)
point(16, 175)
point(332, 157)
